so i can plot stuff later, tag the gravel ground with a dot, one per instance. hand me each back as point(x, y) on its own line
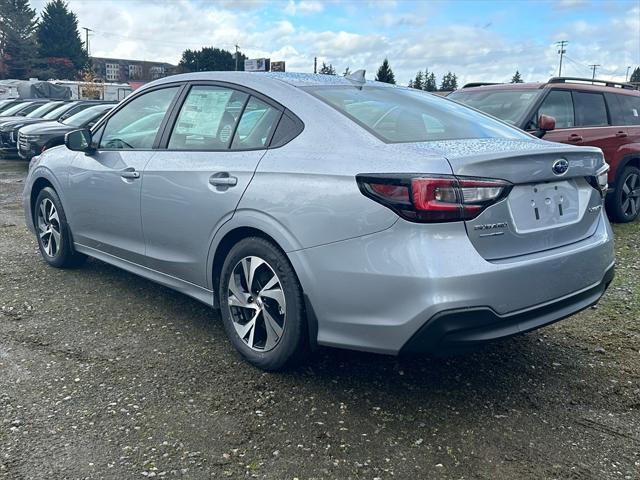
point(106, 375)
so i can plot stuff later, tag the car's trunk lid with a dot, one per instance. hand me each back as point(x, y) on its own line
point(545, 209)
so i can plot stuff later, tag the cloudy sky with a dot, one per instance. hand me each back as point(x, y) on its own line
point(478, 40)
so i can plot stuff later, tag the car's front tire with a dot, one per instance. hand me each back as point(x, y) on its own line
point(261, 304)
point(623, 205)
point(52, 230)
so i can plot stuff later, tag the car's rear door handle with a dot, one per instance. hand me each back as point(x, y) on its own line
point(223, 179)
point(621, 134)
point(574, 137)
point(129, 172)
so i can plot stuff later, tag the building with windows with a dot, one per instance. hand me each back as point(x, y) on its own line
point(122, 70)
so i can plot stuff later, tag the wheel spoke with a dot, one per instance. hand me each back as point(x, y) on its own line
point(48, 247)
point(625, 187)
point(272, 281)
point(276, 293)
point(53, 215)
point(46, 232)
point(625, 205)
point(250, 265)
point(634, 208)
point(239, 296)
point(271, 323)
point(56, 237)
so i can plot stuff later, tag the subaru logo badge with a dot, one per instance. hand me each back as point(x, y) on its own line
point(560, 166)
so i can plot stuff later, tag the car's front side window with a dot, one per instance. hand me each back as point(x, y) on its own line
point(136, 124)
point(558, 105)
point(207, 118)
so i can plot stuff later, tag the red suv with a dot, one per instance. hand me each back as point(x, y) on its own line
point(579, 112)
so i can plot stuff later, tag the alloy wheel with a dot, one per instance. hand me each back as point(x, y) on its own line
point(631, 195)
point(257, 303)
point(49, 227)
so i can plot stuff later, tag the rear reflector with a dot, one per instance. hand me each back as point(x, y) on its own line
point(433, 198)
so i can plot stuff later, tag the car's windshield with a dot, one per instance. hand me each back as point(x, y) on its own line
point(44, 109)
point(83, 117)
point(57, 112)
point(403, 115)
point(507, 105)
point(16, 108)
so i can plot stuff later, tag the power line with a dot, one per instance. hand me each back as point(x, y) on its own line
point(594, 67)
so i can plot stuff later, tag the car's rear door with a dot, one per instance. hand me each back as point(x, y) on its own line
point(104, 188)
point(214, 141)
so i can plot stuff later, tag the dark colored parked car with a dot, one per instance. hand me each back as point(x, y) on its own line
point(8, 103)
point(35, 139)
point(578, 112)
point(9, 129)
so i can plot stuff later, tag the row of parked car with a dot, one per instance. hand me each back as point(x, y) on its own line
point(30, 126)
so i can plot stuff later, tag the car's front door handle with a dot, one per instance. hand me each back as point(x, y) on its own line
point(129, 173)
point(574, 137)
point(621, 134)
point(223, 180)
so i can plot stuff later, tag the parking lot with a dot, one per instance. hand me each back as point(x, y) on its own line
point(107, 375)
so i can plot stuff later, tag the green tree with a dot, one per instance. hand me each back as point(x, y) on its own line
point(327, 69)
point(635, 76)
point(410, 84)
point(210, 59)
point(418, 82)
point(449, 82)
point(385, 74)
point(18, 47)
point(430, 84)
point(59, 41)
point(517, 78)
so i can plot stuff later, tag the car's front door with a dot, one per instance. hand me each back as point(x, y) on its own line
point(218, 136)
point(104, 187)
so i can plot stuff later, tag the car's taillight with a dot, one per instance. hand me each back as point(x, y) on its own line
point(433, 198)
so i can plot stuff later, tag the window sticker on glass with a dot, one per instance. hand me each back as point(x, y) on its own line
point(635, 112)
point(202, 112)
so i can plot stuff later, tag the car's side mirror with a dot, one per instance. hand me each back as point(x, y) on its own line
point(546, 123)
point(79, 141)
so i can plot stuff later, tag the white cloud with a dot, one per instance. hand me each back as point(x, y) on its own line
point(304, 7)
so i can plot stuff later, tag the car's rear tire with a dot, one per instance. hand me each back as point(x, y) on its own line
point(53, 233)
point(262, 306)
point(623, 204)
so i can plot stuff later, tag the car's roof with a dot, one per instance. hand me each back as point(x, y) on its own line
point(559, 86)
point(266, 78)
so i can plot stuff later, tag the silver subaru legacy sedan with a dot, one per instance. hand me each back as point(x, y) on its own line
point(324, 210)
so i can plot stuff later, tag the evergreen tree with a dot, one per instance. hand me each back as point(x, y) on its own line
point(327, 69)
point(410, 84)
point(449, 82)
point(517, 78)
point(385, 74)
point(346, 72)
point(418, 82)
point(18, 47)
point(59, 40)
point(430, 84)
point(635, 76)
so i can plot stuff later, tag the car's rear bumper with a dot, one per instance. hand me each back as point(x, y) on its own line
point(376, 292)
point(457, 329)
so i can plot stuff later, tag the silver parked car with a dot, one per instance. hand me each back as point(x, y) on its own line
point(315, 209)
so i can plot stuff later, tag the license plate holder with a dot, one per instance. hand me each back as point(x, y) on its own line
point(544, 205)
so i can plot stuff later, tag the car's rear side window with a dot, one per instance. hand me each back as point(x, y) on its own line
point(398, 115)
point(590, 109)
point(630, 108)
point(255, 127)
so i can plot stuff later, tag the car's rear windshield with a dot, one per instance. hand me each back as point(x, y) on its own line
point(84, 116)
point(402, 115)
point(57, 112)
point(507, 105)
point(16, 108)
point(44, 109)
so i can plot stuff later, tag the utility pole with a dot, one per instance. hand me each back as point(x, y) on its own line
point(237, 47)
point(86, 42)
point(593, 67)
point(626, 76)
point(561, 51)
point(315, 64)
